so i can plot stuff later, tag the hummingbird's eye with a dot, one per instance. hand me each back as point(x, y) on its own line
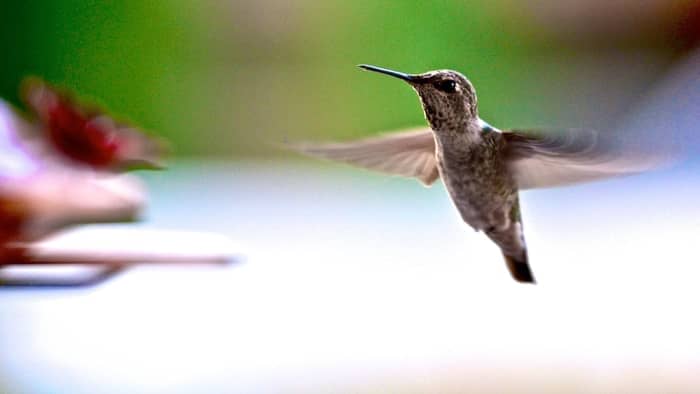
point(447, 86)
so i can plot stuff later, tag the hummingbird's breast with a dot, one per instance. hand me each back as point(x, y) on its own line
point(478, 181)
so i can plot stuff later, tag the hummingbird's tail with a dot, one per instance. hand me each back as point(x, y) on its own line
point(519, 268)
point(512, 243)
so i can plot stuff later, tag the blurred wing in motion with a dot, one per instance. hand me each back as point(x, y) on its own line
point(87, 135)
point(667, 117)
point(540, 158)
point(662, 129)
point(407, 153)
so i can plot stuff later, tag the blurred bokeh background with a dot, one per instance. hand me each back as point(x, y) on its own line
point(231, 78)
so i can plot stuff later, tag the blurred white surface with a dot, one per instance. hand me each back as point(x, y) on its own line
point(123, 244)
point(357, 282)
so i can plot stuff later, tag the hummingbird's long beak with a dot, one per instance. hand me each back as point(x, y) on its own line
point(396, 74)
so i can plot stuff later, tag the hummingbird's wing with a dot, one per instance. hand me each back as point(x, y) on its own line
point(408, 153)
point(540, 158)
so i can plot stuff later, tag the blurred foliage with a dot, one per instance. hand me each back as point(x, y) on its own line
point(232, 78)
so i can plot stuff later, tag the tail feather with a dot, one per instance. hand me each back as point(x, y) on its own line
point(520, 268)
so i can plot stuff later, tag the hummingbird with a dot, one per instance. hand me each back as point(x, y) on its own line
point(483, 168)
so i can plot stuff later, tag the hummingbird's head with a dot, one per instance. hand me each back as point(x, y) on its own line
point(448, 98)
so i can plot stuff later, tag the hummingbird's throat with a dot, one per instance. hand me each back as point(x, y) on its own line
point(444, 123)
point(447, 112)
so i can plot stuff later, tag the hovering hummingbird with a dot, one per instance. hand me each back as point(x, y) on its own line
point(482, 167)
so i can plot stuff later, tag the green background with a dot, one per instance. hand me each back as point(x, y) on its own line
point(232, 79)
